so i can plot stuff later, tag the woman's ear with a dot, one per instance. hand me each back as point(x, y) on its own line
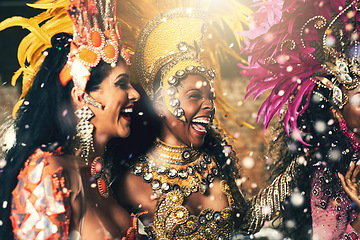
point(77, 98)
point(159, 108)
point(337, 113)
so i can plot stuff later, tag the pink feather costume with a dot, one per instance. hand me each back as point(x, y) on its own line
point(293, 56)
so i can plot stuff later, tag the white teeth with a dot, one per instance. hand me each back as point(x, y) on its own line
point(203, 120)
point(199, 128)
point(127, 110)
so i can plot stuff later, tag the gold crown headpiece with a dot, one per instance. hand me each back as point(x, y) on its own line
point(97, 36)
point(170, 43)
point(174, 53)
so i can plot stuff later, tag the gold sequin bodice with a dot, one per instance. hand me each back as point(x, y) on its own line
point(174, 173)
point(172, 219)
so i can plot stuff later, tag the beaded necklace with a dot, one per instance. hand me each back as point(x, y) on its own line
point(169, 168)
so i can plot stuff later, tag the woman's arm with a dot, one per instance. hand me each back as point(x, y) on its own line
point(266, 204)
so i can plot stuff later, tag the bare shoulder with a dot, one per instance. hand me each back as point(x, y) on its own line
point(136, 193)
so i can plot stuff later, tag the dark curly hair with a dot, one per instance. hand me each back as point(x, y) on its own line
point(45, 120)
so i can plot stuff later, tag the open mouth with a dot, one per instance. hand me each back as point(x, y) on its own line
point(199, 124)
point(126, 112)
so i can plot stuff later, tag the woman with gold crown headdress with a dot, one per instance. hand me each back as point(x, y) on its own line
point(186, 181)
point(76, 97)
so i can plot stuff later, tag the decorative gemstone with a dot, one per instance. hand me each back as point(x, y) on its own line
point(208, 216)
point(137, 170)
point(203, 188)
point(176, 187)
point(179, 112)
point(186, 190)
point(338, 199)
point(201, 68)
point(180, 73)
point(337, 95)
point(190, 170)
point(203, 164)
point(171, 91)
point(210, 178)
point(347, 78)
point(202, 220)
point(217, 216)
point(182, 174)
point(172, 173)
point(155, 185)
point(342, 66)
point(173, 81)
point(180, 214)
point(166, 186)
point(148, 177)
point(174, 102)
point(215, 171)
point(194, 188)
point(151, 165)
point(182, 46)
point(207, 158)
point(161, 170)
point(190, 68)
point(211, 73)
point(208, 232)
point(185, 155)
point(338, 208)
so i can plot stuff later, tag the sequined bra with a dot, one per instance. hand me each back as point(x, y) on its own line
point(174, 173)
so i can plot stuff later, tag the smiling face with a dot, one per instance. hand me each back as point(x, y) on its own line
point(196, 99)
point(117, 96)
point(351, 112)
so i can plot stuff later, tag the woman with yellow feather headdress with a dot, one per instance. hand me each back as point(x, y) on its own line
point(186, 181)
point(76, 97)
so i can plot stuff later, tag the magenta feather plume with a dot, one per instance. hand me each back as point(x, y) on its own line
point(281, 58)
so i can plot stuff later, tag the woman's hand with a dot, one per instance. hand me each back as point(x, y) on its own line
point(351, 183)
point(351, 186)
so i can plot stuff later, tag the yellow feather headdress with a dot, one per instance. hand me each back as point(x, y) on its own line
point(154, 21)
point(42, 27)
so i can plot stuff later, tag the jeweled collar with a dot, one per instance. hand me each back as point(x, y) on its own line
point(178, 155)
point(169, 168)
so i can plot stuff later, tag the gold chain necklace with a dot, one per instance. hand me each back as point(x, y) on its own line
point(169, 168)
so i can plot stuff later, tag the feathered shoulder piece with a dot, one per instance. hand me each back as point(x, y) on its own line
point(314, 42)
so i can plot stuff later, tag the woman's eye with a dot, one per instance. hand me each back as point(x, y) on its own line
point(196, 96)
point(122, 84)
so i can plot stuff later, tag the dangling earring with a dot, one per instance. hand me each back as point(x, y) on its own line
point(162, 116)
point(89, 100)
point(84, 131)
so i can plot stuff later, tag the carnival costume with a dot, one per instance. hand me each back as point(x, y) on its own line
point(169, 42)
point(41, 201)
point(310, 55)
